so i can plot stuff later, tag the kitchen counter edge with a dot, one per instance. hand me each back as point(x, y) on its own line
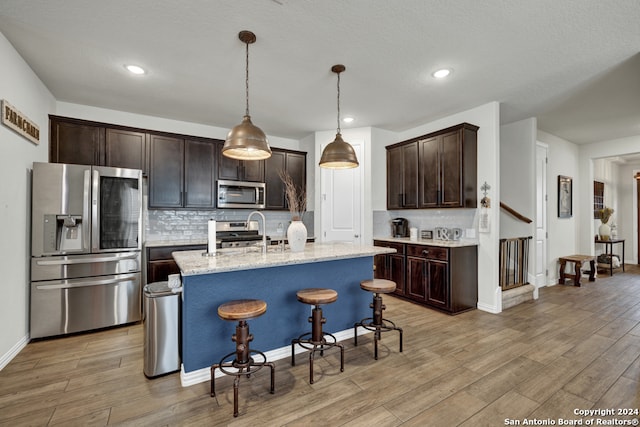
point(430, 242)
point(194, 263)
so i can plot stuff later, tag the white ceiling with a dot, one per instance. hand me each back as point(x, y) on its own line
point(574, 64)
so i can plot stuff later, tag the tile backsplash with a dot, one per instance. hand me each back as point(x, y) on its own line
point(187, 225)
point(425, 219)
point(191, 225)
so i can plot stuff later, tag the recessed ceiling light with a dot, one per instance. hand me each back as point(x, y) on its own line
point(135, 69)
point(348, 119)
point(440, 74)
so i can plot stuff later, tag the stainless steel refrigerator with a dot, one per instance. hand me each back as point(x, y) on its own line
point(86, 238)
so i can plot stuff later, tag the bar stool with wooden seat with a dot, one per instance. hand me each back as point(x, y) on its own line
point(243, 363)
point(316, 340)
point(377, 323)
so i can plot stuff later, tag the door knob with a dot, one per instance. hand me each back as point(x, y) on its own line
point(356, 236)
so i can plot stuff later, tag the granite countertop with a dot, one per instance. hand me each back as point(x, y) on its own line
point(431, 242)
point(235, 259)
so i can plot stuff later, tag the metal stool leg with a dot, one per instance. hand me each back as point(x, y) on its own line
point(316, 341)
point(377, 324)
point(242, 363)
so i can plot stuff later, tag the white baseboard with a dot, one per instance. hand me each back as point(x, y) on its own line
point(204, 374)
point(488, 308)
point(13, 352)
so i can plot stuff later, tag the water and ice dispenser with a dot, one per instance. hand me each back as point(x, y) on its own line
point(63, 233)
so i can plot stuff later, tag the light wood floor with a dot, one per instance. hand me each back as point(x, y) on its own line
point(573, 348)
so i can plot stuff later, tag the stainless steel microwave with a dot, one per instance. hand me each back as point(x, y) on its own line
point(241, 194)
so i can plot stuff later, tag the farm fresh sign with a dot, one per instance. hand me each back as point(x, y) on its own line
point(18, 122)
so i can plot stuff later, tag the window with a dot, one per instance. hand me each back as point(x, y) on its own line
point(598, 198)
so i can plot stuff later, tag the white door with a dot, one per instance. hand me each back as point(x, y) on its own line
point(341, 200)
point(541, 272)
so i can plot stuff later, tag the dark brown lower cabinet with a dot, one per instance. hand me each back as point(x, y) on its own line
point(160, 263)
point(444, 278)
point(392, 266)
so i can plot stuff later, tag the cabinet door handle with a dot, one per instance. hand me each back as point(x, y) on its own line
point(425, 252)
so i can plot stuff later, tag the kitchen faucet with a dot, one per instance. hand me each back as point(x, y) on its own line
point(264, 229)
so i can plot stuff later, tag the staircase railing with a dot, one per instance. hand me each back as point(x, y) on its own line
point(514, 262)
point(515, 213)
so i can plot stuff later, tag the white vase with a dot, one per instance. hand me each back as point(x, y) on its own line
point(604, 231)
point(297, 236)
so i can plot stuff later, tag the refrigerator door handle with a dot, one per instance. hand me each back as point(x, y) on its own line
point(95, 209)
point(86, 214)
point(116, 257)
point(70, 284)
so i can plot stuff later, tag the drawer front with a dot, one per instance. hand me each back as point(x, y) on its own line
point(430, 252)
point(164, 252)
point(397, 246)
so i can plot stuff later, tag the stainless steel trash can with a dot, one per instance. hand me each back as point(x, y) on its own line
point(161, 329)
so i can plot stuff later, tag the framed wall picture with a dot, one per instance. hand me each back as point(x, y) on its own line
point(565, 197)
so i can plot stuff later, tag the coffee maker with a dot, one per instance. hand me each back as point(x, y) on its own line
point(400, 227)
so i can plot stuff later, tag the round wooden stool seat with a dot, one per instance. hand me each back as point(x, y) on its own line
point(242, 309)
point(380, 286)
point(317, 296)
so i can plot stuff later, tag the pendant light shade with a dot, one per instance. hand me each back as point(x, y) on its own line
point(339, 154)
point(246, 141)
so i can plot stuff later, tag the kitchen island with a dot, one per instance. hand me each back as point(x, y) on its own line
point(275, 277)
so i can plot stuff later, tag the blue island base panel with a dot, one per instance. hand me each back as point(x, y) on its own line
point(206, 338)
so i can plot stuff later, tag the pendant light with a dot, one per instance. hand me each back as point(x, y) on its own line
point(246, 141)
point(338, 154)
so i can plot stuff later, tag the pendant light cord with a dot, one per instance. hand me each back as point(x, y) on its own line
point(246, 81)
point(338, 131)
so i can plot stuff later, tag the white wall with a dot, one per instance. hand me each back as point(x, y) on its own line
point(123, 118)
point(626, 214)
point(21, 88)
point(517, 177)
point(606, 171)
point(563, 232)
point(380, 139)
point(588, 153)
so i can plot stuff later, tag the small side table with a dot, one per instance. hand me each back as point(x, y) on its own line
point(577, 260)
point(608, 249)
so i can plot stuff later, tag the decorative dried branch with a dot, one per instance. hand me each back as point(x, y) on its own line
point(605, 214)
point(296, 197)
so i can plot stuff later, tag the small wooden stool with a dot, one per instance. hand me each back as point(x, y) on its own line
point(377, 323)
point(316, 339)
point(577, 260)
point(241, 310)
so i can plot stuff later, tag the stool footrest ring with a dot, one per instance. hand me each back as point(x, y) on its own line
point(313, 346)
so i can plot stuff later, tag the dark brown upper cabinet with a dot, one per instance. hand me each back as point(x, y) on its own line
point(402, 176)
point(295, 163)
point(125, 149)
point(444, 173)
point(91, 143)
point(182, 172)
point(239, 170)
point(75, 141)
point(166, 171)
